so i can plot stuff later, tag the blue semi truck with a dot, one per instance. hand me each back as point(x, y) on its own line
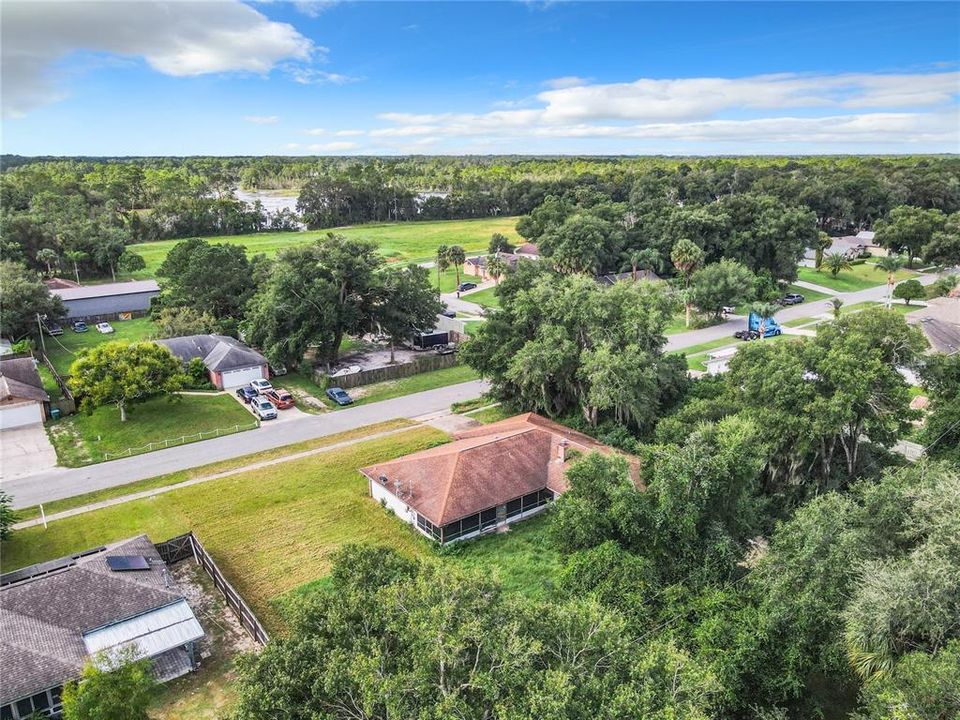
point(771, 328)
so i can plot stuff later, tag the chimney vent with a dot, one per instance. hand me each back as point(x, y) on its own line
point(562, 450)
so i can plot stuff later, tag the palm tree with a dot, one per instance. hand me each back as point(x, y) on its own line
point(836, 262)
point(686, 257)
point(824, 241)
point(496, 267)
point(646, 259)
point(835, 305)
point(765, 311)
point(890, 264)
point(48, 256)
point(76, 257)
point(443, 262)
point(457, 258)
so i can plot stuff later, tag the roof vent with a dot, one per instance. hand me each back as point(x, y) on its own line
point(383, 479)
point(562, 450)
point(126, 563)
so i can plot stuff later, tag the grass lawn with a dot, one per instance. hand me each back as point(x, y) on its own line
point(210, 469)
point(809, 296)
point(411, 241)
point(470, 326)
point(697, 355)
point(270, 530)
point(859, 277)
point(49, 384)
point(448, 279)
point(406, 386)
point(62, 350)
point(486, 298)
point(858, 307)
point(83, 439)
point(491, 415)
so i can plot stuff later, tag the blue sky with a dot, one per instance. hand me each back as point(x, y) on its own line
point(148, 78)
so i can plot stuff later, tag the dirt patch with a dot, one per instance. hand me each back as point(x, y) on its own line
point(208, 692)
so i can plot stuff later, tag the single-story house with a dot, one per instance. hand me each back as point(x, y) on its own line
point(229, 362)
point(477, 266)
point(613, 278)
point(23, 401)
point(718, 361)
point(107, 301)
point(940, 323)
point(489, 477)
point(57, 616)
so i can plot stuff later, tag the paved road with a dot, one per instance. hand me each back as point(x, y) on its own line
point(793, 312)
point(67, 482)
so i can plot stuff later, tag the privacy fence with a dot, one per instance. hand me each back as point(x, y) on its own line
point(187, 546)
point(66, 404)
point(182, 440)
point(420, 364)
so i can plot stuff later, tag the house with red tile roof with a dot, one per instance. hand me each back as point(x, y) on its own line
point(487, 478)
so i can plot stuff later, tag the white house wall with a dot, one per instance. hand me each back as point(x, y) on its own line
point(380, 493)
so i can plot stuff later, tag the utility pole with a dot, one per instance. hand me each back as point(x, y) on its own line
point(43, 345)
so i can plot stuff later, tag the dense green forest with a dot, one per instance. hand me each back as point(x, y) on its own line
point(79, 214)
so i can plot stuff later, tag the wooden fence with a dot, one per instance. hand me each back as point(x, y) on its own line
point(420, 364)
point(67, 404)
point(187, 546)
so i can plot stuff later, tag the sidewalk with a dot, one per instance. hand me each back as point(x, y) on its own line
point(153, 492)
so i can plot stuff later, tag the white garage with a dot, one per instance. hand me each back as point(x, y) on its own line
point(237, 378)
point(20, 414)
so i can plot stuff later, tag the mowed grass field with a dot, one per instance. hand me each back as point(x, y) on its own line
point(410, 241)
point(63, 350)
point(83, 439)
point(859, 277)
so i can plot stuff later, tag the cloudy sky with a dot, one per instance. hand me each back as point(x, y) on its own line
point(139, 77)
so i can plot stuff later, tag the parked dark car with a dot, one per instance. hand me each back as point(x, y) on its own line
point(53, 329)
point(464, 286)
point(792, 299)
point(448, 349)
point(447, 312)
point(339, 396)
point(246, 393)
point(80, 326)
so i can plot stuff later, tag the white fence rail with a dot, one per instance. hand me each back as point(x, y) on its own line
point(182, 440)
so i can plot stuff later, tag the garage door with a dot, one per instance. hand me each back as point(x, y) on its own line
point(236, 378)
point(21, 414)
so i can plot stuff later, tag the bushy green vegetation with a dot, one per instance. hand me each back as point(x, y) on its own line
point(405, 386)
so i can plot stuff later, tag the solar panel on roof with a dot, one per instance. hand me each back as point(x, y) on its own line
point(123, 563)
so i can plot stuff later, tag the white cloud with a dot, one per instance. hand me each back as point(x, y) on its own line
point(314, 8)
point(312, 76)
point(316, 131)
point(349, 133)
point(333, 147)
point(568, 81)
point(178, 38)
point(776, 110)
point(262, 119)
point(291, 146)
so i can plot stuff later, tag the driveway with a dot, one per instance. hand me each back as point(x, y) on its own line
point(44, 484)
point(25, 451)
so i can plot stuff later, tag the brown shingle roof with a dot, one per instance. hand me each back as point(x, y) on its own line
point(486, 467)
point(19, 379)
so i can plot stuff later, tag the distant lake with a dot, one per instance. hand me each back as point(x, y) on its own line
point(273, 200)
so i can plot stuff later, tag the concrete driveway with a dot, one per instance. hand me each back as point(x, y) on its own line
point(25, 451)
